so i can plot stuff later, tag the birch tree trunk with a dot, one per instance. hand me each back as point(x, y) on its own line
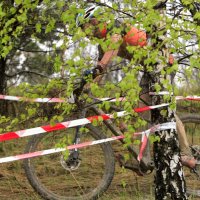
point(169, 179)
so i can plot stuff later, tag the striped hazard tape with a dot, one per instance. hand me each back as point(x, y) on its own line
point(145, 135)
point(64, 100)
point(70, 124)
point(51, 100)
point(191, 98)
point(164, 126)
point(144, 140)
point(40, 100)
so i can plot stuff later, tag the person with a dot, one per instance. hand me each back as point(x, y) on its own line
point(130, 36)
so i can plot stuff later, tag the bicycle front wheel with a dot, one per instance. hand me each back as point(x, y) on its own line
point(192, 127)
point(51, 177)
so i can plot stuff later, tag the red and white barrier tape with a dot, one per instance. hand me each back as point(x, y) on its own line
point(145, 135)
point(161, 93)
point(144, 140)
point(164, 126)
point(70, 124)
point(112, 99)
point(50, 100)
point(60, 100)
point(192, 98)
point(40, 100)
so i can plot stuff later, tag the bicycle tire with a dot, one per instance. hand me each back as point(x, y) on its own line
point(192, 127)
point(42, 183)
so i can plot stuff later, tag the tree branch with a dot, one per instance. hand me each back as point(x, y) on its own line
point(36, 51)
point(120, 11)
point(183, 58)
point(193, 8)
point(27, 72)
point(160, 5)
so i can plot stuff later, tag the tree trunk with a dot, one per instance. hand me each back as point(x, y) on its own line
point(2, 84)
point(169, 179)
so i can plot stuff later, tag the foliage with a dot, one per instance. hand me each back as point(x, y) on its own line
point(44, 35)
point(42, 49)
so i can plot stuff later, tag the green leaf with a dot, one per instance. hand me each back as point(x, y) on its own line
point(94, 122)
point(50, 25)
point(38, 27)
point(22, 17)
point(18, 2)
point(57, 63)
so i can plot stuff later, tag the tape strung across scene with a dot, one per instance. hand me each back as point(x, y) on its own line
point(191, 98)
point(64, 100)
point(83, 121)
point(144, 141)
point(70, 124)
point(50, 100)
point(40, 100)
point(164, 126)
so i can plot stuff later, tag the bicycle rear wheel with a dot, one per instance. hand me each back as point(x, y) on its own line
point(50, 176)
point(192, 128)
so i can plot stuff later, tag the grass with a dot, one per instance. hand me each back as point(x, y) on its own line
point(126, 185)
point(14, 185)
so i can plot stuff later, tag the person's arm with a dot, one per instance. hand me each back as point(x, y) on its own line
point(108, 56)
point(101, 65)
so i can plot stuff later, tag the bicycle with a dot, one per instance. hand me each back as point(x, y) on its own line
point(86, 173)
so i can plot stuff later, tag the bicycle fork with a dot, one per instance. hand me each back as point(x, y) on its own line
point(73, 161)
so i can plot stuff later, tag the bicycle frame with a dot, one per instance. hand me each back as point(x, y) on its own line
point(145, 165)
